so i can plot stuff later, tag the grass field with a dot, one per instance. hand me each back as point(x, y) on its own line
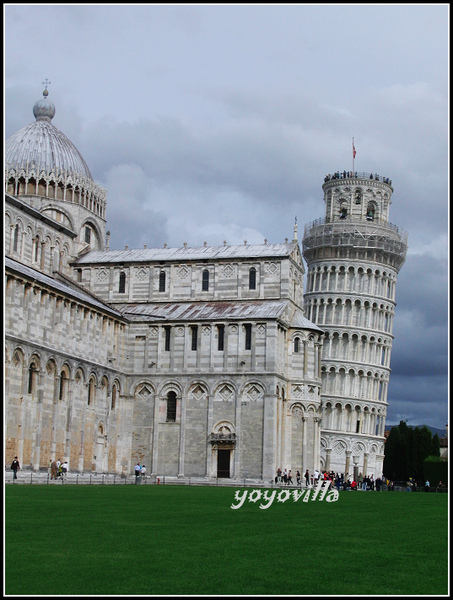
point(162, 540)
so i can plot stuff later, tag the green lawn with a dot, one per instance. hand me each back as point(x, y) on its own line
point(162, 540)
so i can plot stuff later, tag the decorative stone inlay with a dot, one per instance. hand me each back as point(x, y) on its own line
point(253, 392)
point(141, 273)
point(228, 271)
point(183, 271)
point(297, 391)
point(206, 330)
point(144, 392)
point(358, 448)
point(198, 392)
point(226, 393)
point(339, 447)
point(272, 268)
point(102, 274)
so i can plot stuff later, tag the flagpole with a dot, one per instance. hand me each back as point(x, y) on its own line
point(353, 155)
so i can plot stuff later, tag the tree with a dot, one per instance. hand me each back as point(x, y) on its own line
point(405, 450)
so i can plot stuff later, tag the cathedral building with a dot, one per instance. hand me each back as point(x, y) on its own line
point(197, 362)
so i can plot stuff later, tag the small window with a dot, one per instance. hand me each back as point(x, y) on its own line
point(296, 345)
point(113, 404)
point(343, 213)
point(162, 281)
point(248, 336)
point(16, 238)
point(91, 390)
point(220, 337)
point(87, 235)
point(32, 372)
point(370, 213)
point(167, 330)
point(37, 248)
point(171, 407)
point(122, 285)
point(205, 282)
point(63, 382)
point(252, 279)
point(194, 333)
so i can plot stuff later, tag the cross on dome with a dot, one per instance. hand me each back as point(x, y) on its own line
point(46, 84)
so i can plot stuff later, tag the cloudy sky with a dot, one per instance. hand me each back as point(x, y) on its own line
point(219, 122)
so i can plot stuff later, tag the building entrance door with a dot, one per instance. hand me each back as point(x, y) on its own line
point(223, 463)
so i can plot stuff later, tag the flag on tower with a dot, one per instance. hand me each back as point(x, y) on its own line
point(353, 149)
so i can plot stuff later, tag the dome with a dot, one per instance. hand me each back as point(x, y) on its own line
point(43, 147)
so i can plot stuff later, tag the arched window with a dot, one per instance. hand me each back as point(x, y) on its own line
point(63, 386)
point(32, 376)
point(122, 285)
point(252, 279)
point(114, 392)
point(91, 391)
point(171, 407)
point(343, 212)
point(205, 282)
point(370, 212)
point(162, 281)
point(296, 345)
point(358, 197)
point(36, 248)
point(16, 238)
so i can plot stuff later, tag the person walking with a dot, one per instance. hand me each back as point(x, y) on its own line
point(137, 470)
point(143, 472)
point(15, 466)
point(307, 478)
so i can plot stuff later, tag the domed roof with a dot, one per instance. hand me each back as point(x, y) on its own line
point(43, 145)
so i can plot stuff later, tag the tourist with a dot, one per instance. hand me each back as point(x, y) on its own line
point(143, 472)
point(15, 466)
point(137, 470)
point(64, 469)
point(427, 485)
point(297, 477)
point(289, 477)
point(315, 477)
point(53, 469)
point(307, 478)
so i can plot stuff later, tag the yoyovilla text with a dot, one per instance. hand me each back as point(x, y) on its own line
point(322, 491)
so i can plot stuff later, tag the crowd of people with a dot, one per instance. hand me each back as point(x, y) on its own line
point(348, 174)
point(336, 479)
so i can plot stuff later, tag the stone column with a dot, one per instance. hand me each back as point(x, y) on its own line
point(269, 437)
point(365, 463)
point(348, 463)
point(328, 454)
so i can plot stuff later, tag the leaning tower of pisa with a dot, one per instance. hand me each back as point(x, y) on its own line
point(353, 256)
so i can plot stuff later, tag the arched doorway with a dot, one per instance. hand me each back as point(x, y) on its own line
point(223, 440)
